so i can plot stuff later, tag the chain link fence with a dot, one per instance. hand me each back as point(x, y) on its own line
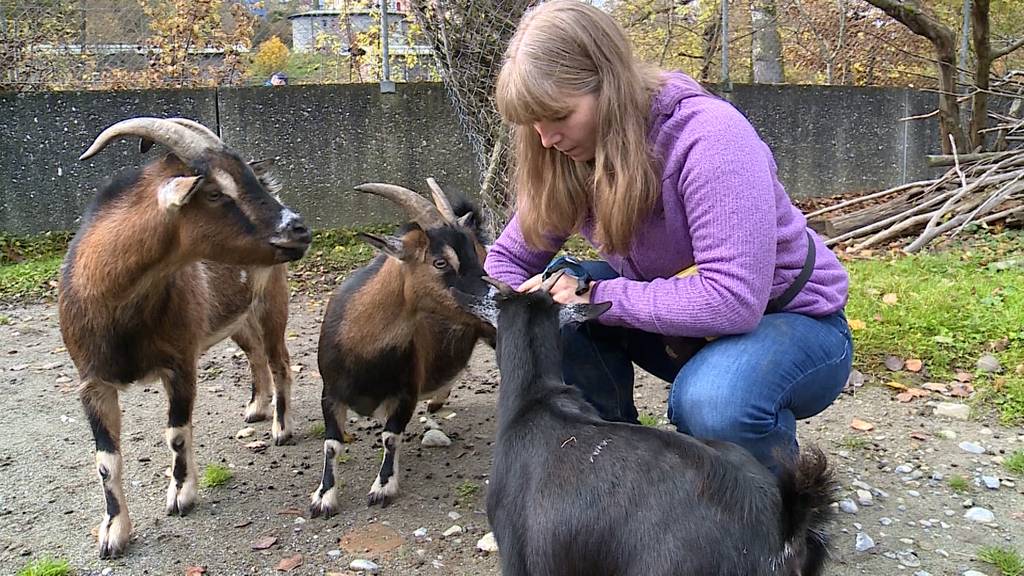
point(468, 38)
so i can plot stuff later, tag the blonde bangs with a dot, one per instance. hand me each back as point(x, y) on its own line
point(524, 96)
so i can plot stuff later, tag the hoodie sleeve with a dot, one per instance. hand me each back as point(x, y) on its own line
point(723, 175)
point(512, 260)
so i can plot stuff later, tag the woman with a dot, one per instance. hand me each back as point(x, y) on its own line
point(716, 284)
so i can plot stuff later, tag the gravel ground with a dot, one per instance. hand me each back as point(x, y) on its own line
point(899, 513)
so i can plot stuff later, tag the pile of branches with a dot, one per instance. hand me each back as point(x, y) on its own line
point(978, 188)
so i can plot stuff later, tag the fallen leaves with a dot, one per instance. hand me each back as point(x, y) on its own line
point(195, 571)
point(913, 365)
point(861, 425)
point(856, 324)
point(289, 563)
point(894, 363)
point(910, 394)
point(264, 543)
point(890, 299)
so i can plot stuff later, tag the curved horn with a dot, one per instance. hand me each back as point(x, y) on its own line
point(198, 128)
point(185, 143)
point(416, 207)
point(441, 201)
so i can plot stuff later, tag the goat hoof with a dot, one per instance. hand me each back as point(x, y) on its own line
point(382, 499)
point(318, 509)
point(113, 537)
point(282, 438)
point(251, 417)
point(181, 509)
point(434, 406)
point(323, 503)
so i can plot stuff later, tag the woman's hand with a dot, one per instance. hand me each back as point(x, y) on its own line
point(564, 290)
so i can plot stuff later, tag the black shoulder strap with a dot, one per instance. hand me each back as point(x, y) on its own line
point(777, 304)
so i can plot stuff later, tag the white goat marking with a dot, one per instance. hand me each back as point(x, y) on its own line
point(243, 276)
point(451, 257)
point(287, 217)
point(600, 446)
point(570, 439)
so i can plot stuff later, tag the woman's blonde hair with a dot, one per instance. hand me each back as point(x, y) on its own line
point(563, 49)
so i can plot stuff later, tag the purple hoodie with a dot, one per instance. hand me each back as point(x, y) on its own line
point(722, 208)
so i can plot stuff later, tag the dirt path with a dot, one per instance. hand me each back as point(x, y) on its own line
point(50, 500)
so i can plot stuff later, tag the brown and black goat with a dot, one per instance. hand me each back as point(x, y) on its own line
point(393, 333)
point(169, 260)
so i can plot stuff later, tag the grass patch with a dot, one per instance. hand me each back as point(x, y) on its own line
point(215, 475)
point(466, 492)
point(30, 278)
point(4, 320)
point(959, 484)
point(648, 420)
point(342, 458)
point(950, 306)
point(1008, 561)
point(317, 430)
point(1015, 462)
point(854, 442)
point(46, 567)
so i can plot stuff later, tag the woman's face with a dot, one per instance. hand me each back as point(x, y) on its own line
point(575, 134)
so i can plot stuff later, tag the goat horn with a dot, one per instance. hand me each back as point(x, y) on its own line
point(185, 143)
point(196, 126)
point(416, 207)
point(441, 201)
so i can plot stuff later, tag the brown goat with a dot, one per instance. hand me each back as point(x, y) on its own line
point(393, 333)
point(169, 260)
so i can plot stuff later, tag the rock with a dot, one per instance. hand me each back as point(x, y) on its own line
point(436, 439)
point(245, 432)
point(487, 543)
point(334, 553)
point(953, 410)
point(453, 515)
point(360, 565)
point(420, 533)
point(908, 558)
point(947, 434)
point(980, 515)
point(848, 506)
point(990, 482)
point(861, 484)
point(904, 469)
point(971, 447)
point(974, 573)
point(864, 542)
point(913, 493)
point(990, 364)
point(431, 424)
point(453, 531)
point(864, 498)
point(885, 521)
point(922, 573)
point(107, 571)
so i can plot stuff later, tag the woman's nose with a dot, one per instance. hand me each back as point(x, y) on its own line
point(548, 136)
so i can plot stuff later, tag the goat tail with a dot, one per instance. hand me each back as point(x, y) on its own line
point(808, 488)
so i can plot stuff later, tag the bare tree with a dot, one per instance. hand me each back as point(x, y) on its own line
point(766, 44)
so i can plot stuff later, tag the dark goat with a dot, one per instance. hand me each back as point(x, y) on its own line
point(169, 260)
point(572, 494)
point(393, 333)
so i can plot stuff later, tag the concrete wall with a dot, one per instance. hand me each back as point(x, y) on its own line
point(329, 138)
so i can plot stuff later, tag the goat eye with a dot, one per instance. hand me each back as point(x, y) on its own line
point(440, 263)
point(214, 195)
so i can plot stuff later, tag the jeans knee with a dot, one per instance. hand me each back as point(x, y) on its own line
point(706, 417)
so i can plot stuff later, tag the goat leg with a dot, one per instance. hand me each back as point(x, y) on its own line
point(99, 399)
point(280, 366)
point(258, 408)
point(181, 393)
point(437, 401)
point(324, 500)
point(385, 486)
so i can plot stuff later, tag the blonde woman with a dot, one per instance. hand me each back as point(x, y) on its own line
point(716, 283)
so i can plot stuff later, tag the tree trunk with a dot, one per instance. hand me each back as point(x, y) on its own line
point(766, 44)
point(912, 15)
point(982, 68)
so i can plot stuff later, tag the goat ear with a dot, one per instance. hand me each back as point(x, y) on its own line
point(389, 245)
point(581, 312)
point(262, 167)
point(503, 289)
point(176, 192)
point(144, 145)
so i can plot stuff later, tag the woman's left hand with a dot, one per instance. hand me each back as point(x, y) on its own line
point(564, 290)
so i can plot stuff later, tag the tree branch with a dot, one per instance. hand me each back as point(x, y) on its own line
point(1011, 48)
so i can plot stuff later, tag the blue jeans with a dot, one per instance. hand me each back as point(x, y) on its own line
point(749, 388)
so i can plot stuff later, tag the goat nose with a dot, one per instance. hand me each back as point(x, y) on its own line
point(298, 231)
